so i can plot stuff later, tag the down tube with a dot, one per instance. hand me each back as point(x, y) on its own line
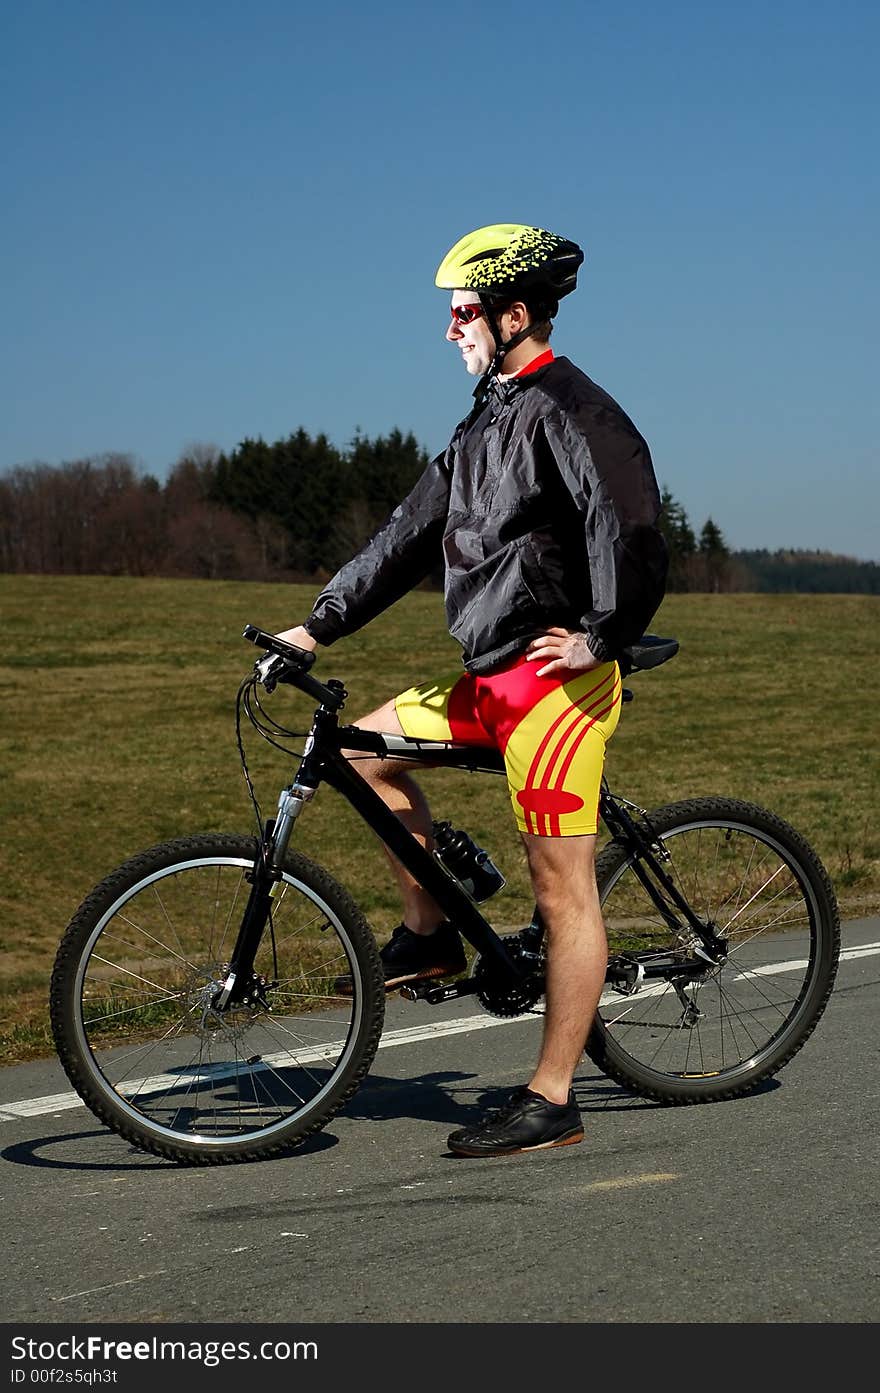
point(456, 905)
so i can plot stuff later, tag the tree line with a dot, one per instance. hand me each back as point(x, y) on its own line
point(293, 509)
point(298, 509)
point(705, 562)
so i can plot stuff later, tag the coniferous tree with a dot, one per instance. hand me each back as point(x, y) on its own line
point(714, 556)
point(679, 539)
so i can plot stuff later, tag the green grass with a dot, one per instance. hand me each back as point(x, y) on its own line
point(118, 732)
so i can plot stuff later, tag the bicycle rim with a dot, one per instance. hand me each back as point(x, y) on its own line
point(135, 1023)
point(761, 888)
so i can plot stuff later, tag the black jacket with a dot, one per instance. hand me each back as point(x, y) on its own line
point(544, 507)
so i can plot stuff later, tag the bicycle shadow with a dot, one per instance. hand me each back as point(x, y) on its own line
point(447, 1096)
point(31, 1153)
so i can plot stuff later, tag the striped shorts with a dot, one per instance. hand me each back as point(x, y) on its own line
point(552, 735)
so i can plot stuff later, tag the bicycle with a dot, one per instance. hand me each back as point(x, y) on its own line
point(196, 1001)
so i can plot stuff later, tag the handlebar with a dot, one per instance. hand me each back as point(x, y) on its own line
point(294, 663)
point(292, 668)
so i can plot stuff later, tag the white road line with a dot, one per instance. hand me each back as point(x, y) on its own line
point(62, 1102)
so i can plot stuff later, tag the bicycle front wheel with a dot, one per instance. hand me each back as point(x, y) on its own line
point(133, 1015)
point(704, 1035)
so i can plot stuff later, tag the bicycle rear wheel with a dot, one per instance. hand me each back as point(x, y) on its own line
point(132, 1014)
point(759, 885)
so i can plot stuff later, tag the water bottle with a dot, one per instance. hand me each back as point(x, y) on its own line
point(468, 863)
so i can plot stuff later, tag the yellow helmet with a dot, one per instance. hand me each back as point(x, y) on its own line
point(507, 258)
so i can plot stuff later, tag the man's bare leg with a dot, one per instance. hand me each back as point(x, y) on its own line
point(396, 787)
point(564, 880)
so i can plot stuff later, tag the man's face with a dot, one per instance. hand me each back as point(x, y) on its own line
point(474, 340)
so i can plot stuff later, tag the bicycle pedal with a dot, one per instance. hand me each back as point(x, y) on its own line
point(435, 992)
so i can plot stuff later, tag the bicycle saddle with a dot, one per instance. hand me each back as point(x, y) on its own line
point(650, 651)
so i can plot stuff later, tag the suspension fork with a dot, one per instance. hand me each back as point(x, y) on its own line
point(239, 985)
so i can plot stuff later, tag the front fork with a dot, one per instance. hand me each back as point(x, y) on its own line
point(241, 986)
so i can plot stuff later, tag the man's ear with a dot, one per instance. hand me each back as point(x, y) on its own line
point(519, 314)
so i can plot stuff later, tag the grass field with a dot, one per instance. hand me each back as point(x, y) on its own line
point(118, 732)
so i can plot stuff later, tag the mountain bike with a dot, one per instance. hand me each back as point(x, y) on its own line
point(218, 998)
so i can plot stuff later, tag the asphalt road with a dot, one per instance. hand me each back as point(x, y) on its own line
point(760, 1210)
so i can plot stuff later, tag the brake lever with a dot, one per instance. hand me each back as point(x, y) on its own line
point(269, 670)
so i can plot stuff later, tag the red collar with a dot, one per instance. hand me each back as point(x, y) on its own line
point(540, 362)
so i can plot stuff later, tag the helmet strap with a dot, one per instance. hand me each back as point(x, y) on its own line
point(501, 349)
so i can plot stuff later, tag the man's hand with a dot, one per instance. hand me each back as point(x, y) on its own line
point(562, 650)
point(300, 637)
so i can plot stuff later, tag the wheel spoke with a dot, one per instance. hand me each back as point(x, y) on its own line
point(152, 1051)
point(750, 881)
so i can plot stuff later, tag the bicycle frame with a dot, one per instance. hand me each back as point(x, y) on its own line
point(204, 1050)
point(323, 761)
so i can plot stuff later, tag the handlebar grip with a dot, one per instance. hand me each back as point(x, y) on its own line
point(299, 661)
point(300, 657)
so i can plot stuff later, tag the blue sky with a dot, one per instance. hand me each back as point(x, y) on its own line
point(223, 220)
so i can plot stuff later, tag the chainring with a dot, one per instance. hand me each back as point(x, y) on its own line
point(503, 999)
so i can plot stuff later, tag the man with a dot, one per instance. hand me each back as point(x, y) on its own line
point(544, 507)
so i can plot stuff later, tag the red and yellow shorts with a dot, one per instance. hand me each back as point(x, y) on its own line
point(552, 734)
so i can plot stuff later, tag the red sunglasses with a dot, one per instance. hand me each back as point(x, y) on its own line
point(466, 314)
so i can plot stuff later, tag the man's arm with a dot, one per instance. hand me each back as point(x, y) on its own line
point(606, 467)
point(396, 558)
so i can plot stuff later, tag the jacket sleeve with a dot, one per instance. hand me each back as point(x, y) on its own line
point(396, 558)
point(605, 466)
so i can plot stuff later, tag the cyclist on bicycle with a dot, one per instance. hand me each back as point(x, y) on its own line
point(544, 507)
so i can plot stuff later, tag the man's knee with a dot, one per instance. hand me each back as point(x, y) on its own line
point(562, 869)
point(385, 721)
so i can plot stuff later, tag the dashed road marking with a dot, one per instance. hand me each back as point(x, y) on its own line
point(108, 1286)
point(628, 1182)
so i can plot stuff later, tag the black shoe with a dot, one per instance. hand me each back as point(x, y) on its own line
point(526, 1122)
point(411, 957)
